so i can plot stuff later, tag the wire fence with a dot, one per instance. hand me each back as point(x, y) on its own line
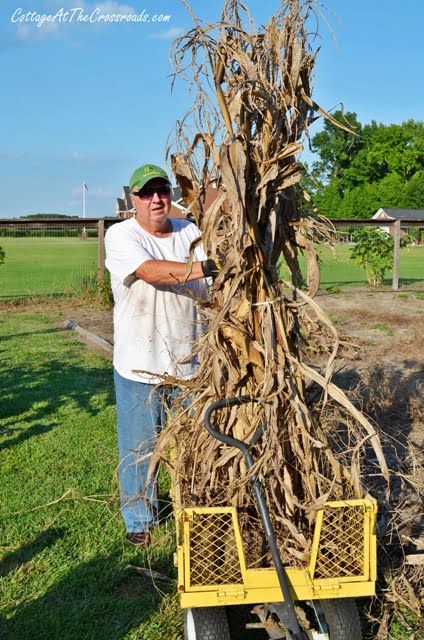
point(337, 270)
point(54, 258)
point(47, 258)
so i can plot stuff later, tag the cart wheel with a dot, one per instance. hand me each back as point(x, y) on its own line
point(333, 619)
point(339, 619)
point(206, 623)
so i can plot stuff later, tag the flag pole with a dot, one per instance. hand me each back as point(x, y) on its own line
point(84, 233)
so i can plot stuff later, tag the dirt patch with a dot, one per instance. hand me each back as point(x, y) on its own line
point(387, 323)
point(99, 321)
point(386, 376)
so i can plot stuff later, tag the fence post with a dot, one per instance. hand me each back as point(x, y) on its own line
point(100, 249)
point(396, 250)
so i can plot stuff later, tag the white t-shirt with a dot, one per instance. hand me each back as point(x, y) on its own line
point(155, 326)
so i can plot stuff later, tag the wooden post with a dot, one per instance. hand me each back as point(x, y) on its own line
point(396, 250)
point(100, 249)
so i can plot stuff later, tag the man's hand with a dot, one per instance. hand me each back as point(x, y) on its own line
point(211, 268)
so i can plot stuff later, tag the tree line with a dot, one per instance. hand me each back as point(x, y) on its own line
point(375, 166)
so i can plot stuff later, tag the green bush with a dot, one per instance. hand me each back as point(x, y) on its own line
point(333, 288)
point(94, 291)
point(374, 250)
point(2, 255)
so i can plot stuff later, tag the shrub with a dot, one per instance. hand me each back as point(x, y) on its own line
point(374, 250)
point(2, 255)
point(90, 289)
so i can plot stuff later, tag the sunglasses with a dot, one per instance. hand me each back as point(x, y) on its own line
point(147, 193)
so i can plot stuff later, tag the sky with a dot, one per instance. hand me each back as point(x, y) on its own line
point(86, 101)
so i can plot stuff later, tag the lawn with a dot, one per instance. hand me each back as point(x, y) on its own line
point(337, 269)
point(45, 266)
point(63, 553)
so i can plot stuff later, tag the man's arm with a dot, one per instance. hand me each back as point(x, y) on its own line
point(167, 272)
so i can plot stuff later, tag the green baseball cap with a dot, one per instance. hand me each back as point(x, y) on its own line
point(146, 172)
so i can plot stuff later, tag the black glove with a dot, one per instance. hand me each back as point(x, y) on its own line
point(211, 268)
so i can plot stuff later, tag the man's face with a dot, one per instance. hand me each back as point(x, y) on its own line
point(152, 204)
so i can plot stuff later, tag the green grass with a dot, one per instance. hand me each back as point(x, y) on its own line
point(337, 319)
point(63, 552)
point(45, 266)
point(49, 266)
point(398, 629)
point(384, 328)
point(337, 270)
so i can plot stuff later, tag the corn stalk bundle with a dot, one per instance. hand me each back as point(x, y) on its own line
point(252, 106)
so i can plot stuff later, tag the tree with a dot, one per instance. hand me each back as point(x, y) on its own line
point(376, 166)
point(363, 201)
point(329, 199)
point(360, 202)
point(399, 148)
point(336, 147)
point(414, 192)
point(47, 215)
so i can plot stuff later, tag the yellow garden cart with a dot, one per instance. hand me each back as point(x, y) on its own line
point(316, 602)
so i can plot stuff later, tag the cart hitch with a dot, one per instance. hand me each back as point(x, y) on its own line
point(293, 628)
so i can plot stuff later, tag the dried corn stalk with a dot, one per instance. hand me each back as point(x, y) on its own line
point(251, 108)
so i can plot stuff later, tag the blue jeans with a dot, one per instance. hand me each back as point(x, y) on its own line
point(141, 411)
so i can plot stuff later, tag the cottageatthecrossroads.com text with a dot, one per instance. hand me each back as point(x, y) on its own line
point(80, 15)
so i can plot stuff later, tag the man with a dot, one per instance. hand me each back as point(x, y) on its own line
point(156, 324)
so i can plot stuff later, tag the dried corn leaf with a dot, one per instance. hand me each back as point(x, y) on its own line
point(251, 109)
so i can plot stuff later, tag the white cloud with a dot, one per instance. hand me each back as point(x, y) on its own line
point(114, 7)
point(103, 193)
point(76, 155)
point(169, 34)
point(31, 32)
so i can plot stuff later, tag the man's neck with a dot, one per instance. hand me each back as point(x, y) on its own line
point(163, 230)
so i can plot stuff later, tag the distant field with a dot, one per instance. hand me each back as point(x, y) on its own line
point(337, 269)
point(45, 266)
